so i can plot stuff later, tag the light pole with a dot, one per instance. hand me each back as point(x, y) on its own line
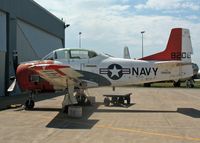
point(79, 39)
point(142, 32)
point(66, 26)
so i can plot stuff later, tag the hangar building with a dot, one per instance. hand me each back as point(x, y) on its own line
point(27, 32)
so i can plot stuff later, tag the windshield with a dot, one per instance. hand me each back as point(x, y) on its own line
point(48, 57)
point(82, 54)
point(62, 54)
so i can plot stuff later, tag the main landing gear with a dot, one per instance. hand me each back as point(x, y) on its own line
point(81, 97)
point(177, 84)
point(190, 83)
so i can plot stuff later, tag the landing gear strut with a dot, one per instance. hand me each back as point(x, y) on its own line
point(81, 97)
point(190, 83)
point(30, 103)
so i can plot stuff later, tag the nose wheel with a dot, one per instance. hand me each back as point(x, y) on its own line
point(29, 104)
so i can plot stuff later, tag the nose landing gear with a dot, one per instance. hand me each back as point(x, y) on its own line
point(30, 103)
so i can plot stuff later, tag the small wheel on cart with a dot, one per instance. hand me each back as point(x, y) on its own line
point(128, 99)
point(106, 101)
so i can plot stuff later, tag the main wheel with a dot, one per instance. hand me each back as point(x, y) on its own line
point(106, 101)
point(81, 99)
point(190, 84)
point(147, 84)
point(29, 104)
point(177, 84)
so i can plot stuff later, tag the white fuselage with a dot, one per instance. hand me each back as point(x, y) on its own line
point(120, 71)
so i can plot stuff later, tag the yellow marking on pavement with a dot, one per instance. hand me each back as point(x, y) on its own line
point(139, 131)
point(149, 133)
point(125, 129)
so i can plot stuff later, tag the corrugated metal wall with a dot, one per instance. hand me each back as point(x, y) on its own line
point(29, 30)
point(34, 43)
point(2, 51)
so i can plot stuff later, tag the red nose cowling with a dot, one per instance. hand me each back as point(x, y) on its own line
point(25, 78)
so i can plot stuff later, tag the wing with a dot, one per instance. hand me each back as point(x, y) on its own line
point(56, 74)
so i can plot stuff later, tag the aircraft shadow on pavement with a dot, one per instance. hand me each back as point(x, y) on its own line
point(46, 109)
point(62, 121)
point(194, 113)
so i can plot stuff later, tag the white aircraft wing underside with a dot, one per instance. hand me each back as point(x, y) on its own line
point(57, 75)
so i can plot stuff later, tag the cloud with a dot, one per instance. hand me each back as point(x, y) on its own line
point(168, 5)
point(108, 26)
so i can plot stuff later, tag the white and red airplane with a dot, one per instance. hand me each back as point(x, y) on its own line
point(77, 69)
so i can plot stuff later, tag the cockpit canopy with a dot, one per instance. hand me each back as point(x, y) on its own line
point(71, 54)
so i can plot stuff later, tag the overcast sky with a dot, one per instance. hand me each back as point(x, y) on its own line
point(109, 25)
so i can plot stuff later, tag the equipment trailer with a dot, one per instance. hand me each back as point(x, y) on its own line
point(117, 99)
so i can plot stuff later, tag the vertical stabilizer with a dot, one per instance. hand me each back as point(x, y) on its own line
point(179, 47)
point(126, 53)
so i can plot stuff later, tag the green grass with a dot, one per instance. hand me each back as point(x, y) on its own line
point(170, 84)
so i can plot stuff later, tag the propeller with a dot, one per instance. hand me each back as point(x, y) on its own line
point(13, 85)
point(13, 78)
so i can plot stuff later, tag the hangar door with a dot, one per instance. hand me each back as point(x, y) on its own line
point(34, 43)
point(2, 51)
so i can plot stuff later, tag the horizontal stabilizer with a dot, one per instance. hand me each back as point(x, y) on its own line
point(171, 63)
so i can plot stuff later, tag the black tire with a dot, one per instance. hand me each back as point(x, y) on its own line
point(106, 101)
point(128, 99)
point(147, 84)
point(177, 84)
point(81, 99)
point(29, 104)
point(189, 84)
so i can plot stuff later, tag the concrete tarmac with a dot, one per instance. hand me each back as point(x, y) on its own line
point(167, 115)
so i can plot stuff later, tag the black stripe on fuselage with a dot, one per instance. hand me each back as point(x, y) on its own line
point(93, 77)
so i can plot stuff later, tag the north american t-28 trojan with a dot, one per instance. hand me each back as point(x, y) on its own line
point(74, 70)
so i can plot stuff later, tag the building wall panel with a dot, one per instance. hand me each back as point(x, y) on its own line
point(2, 51)
point(34, 43)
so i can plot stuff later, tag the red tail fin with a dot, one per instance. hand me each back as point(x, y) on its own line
point(173, 50)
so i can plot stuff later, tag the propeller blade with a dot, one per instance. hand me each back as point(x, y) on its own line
point(12, 86)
